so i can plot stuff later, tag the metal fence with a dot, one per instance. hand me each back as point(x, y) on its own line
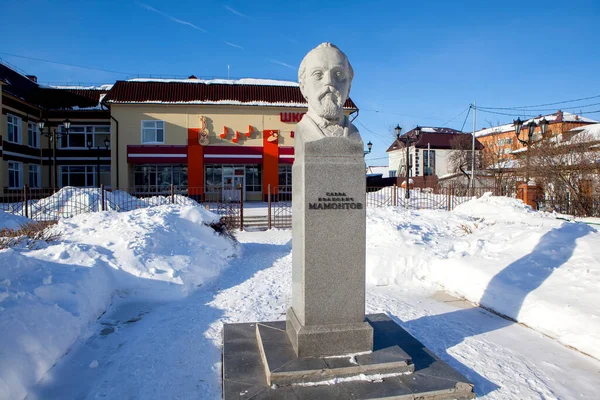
point(438, 198)
point(51, 205)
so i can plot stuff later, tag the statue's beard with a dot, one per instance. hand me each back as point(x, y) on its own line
point(329, 104)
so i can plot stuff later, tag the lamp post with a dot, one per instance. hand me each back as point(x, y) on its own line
point(53, 135)
point(90, 145)
point(408, 139)
point(518, 124)
point(369, 147)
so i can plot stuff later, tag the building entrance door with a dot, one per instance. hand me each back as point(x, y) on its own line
point(231, 185)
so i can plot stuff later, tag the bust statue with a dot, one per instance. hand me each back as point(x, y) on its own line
point(325, 76)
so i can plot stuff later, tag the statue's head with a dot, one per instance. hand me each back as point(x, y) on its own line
point(325, 76)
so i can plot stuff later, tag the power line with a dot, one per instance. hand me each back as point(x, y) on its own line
point(574, 107)
point(453, 118)
point(510, 115)
point(401, 115)
point(66, 64)
point(466, 116)
point(543, 105)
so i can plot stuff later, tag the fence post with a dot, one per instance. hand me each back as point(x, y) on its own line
point(102, 198)
point(241, 207)
point(448, 199)
point(25, 201)
point(395, 203)
point(269, 206)
point(172, 194)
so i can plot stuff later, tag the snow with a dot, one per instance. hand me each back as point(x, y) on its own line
point(567, 117)
point(591, 131)
point(220, 102)
point(50, 295)
point(107, 86)
point(242, 81)
point(496, 252)
point(131, 304)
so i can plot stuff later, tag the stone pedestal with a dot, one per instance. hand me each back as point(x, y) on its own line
point(327, 316)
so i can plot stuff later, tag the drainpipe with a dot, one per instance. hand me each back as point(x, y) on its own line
point(102, 104)
point(116, 150)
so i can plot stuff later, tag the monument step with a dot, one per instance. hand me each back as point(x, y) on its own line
point(283, 367)
point(245, 373)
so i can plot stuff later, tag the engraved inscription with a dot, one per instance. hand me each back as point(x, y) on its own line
point(335, 201)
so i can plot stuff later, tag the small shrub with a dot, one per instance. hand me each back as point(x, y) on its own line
point(29, 233)
point(225, 227)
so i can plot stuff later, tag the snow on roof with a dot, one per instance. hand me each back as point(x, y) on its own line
point(223, 102)
point(242, 81)
point(106, 87)
point(566, 117)
point(570, 117)
point(592, 130)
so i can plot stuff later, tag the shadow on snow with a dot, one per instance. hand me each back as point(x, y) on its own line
point(505, 294)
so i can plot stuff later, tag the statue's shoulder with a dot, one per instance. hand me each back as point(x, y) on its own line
point(353, 132)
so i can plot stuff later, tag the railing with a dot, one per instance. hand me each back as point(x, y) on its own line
point(438, 198)
point(50, 204)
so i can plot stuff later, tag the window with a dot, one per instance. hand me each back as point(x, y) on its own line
point(392, 173)
point(285, 178)
point(158, 178)
point(253, 178)
point(79, 135)
point(428, 162)
point(213, 181)
point(33, 135)
point(15, 175)
point(153, 131)
point(14, 128)
point(34, 175)
point(77, 175)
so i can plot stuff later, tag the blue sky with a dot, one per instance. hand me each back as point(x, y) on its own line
point(418, 62)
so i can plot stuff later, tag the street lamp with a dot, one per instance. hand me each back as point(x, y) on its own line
point(518, 124)
point(369, 147)
point(408, 139)
point(53, 135)
point(90, 144)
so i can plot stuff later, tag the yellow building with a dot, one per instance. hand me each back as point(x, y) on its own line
point(205, 137)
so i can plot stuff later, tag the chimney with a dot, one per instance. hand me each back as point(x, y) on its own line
point(32, 78)
point(559, 116)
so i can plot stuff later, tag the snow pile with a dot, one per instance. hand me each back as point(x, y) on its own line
point(11, 221)
point(49, 295)
point(499, 253)
point(70, 201)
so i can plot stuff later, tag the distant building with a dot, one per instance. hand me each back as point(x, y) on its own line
point(428, 157)
point(207, 138)
point(28, 157)
point(501, 141)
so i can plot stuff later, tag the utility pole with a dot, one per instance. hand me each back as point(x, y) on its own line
point(473, 149)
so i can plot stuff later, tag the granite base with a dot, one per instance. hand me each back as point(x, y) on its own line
point(245, 373)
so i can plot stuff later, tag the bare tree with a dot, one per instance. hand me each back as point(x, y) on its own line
point(459, 160)
point(497, 164)
point(568, 172)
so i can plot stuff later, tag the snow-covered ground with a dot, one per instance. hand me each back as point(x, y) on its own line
point(131, 305)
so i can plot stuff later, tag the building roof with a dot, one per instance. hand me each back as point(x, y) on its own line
point(244, 92)
point(435, 138)
point(24, 88)
point(593, 131)
point(559, 116)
